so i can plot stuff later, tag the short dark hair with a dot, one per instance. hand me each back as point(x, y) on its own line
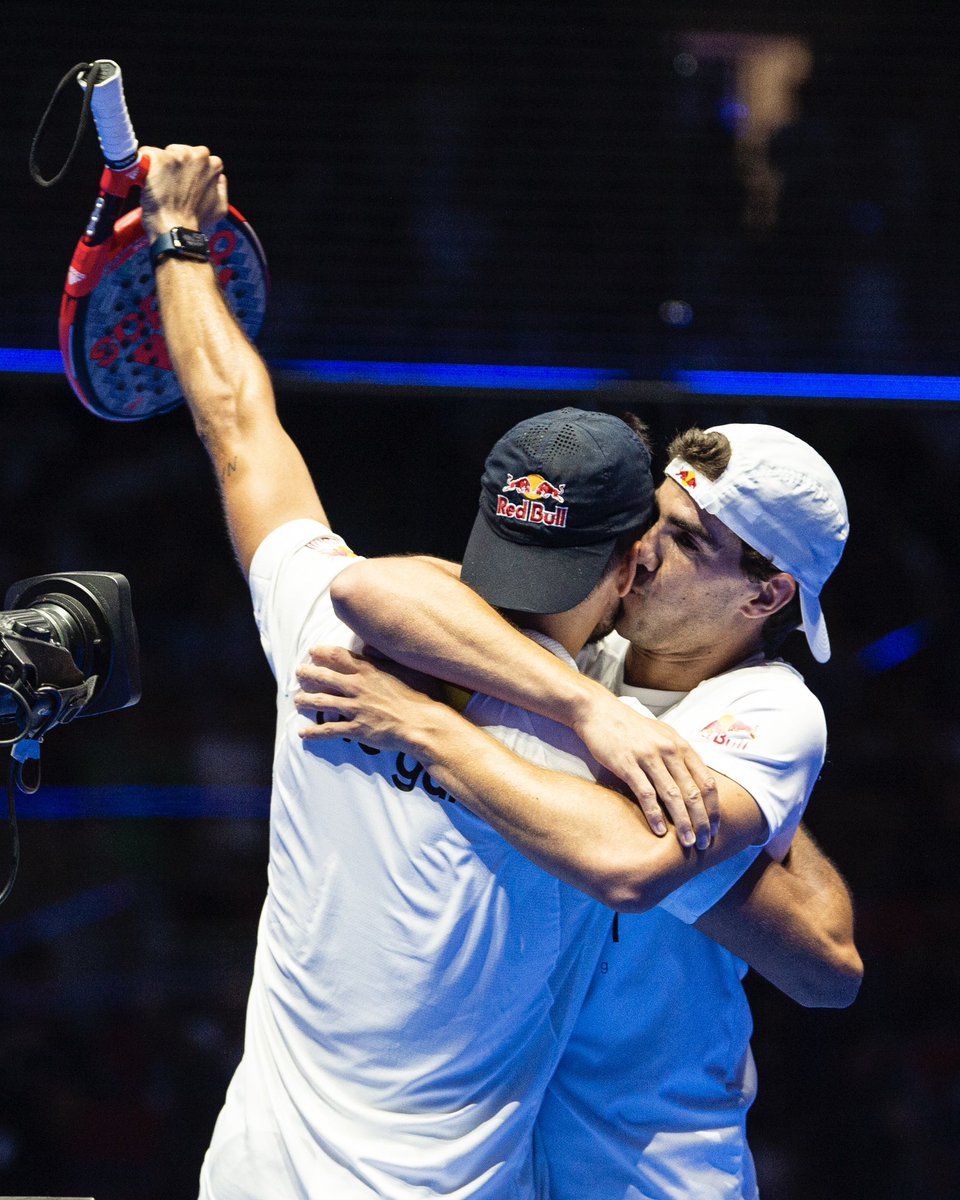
point(625, 541)
point(709, 451)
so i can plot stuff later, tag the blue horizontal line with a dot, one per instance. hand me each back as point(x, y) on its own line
point(817, 385)
point(76, 803)
point(31, 362)
point(772, 384)
point(460, 375)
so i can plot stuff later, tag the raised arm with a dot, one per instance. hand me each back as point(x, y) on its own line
point(262, 476)
point(423, 617)
point(591, 836)
point(793, 923)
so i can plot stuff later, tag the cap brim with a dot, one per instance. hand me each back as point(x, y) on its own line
point(814, 626)
point(533, 579)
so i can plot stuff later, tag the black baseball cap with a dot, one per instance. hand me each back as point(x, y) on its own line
point(557, 492)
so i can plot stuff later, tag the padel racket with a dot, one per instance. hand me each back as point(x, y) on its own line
point(111, 339)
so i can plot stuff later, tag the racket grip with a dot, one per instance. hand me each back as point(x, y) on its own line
point(117, 139)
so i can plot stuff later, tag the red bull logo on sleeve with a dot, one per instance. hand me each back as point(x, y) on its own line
point(332, 544)
point(534, 489)
point(729, 731)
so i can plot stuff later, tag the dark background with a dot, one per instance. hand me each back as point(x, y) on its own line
point(543, 184)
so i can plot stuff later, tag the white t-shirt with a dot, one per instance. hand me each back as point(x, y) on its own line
point(650, 1098)
point(415, 976)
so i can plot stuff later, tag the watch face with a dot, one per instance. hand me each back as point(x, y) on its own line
point(190, 240)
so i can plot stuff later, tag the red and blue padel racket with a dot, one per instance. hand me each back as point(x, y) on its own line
point(111, 338)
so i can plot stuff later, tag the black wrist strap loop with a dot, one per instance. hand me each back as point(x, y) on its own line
point(93, 71)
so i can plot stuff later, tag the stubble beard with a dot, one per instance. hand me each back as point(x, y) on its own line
point(606, 626)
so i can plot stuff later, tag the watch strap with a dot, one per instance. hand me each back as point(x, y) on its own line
point(173, 242)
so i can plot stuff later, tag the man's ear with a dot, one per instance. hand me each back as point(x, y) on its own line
point(770, 595)
point(627, 570)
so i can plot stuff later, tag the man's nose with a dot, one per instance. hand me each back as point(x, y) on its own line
point(647, 560)
point(647, 553)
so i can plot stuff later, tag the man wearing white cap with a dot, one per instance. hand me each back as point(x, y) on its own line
point(651, 1095)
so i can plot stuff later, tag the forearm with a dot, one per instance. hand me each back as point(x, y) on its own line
point(224, 379)
point(262, 476)
point(590, 836)
point(793, 923)
point(423, 617)
point(263, 479)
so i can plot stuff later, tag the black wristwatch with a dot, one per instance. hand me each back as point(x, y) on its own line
point(184, 243)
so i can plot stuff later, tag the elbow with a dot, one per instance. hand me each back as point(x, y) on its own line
point(623, 887)
point(849, 977)
point(350, 592)
point(838, 983)
point(632, 875)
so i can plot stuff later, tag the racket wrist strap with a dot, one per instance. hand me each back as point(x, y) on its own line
point(180, 243)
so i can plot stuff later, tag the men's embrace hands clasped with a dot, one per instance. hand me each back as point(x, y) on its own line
point(392, 708)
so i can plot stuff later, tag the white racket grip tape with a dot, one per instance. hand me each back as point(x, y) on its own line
point(117, 139)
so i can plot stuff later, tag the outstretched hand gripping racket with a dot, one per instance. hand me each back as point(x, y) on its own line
point(114, 352)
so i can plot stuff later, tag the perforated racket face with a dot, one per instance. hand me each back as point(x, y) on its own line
point(114, 349)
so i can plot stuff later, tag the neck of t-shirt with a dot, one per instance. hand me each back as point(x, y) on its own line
point(659, 700)
point(655, 700)
point(548, 643)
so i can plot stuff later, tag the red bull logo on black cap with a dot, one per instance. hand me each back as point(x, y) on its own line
point(534, 489)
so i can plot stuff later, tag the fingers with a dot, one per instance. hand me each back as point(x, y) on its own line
point(709, 791)
point(317, 683)
point(324, 700)
point(329, 726)
point(222, 201)
point(646, 796)
point(185, 185)
point(679, 785)
point(688, 792)
point(325, 661)
point(326, 682)
point(675, 801)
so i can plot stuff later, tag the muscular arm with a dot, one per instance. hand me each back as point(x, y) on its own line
point(262, 476)
point(591, 836)
point(423, 617)
point(793, 923)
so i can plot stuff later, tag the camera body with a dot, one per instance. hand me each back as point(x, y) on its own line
point(68, 648)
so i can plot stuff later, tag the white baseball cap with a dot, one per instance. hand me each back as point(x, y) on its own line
point(783, 499)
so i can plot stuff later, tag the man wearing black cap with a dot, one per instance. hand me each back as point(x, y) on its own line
point(650, 1097)
point(415, 976)
point(540, 543)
